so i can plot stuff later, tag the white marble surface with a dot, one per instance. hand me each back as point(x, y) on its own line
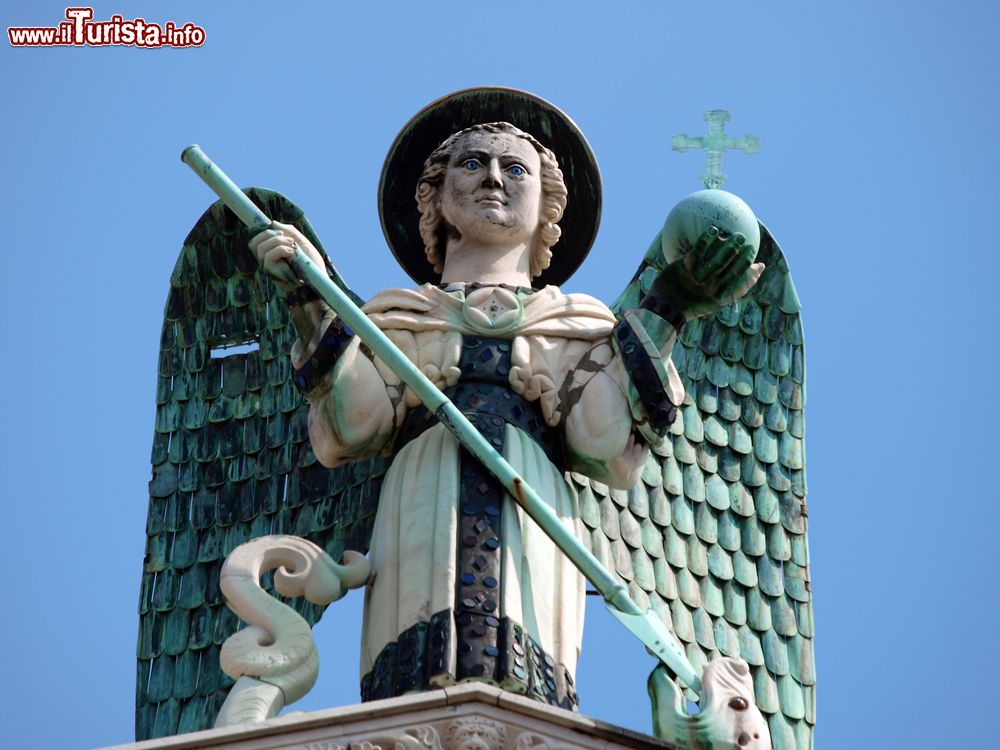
point(471, 716)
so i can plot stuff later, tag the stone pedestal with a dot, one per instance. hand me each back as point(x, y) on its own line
point(466, 717)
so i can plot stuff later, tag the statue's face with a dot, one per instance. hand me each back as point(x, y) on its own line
point(492, 188)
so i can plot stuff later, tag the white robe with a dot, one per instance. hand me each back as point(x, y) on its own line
point(561, 357)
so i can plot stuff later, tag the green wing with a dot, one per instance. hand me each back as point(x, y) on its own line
point(714, 536)
point(231, 461)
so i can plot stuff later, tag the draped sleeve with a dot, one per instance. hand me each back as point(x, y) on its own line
point(611, 392)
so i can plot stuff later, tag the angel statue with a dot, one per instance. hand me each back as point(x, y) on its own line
point(665, 432)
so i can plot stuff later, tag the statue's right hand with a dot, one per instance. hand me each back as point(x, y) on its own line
point(275, 246)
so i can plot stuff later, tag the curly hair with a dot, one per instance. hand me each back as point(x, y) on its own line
point(433, 230)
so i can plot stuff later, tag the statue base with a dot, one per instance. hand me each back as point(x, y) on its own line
point(471, 716)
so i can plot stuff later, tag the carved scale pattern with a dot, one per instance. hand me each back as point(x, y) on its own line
point(714, 536)
point(231, 461)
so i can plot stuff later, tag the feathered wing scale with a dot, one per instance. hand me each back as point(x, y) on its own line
point(714, 536)
point(231, 461)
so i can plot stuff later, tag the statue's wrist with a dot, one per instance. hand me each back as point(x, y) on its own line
point(301, 296)
point(330, 347)
point(664, 308)
point(673, 295)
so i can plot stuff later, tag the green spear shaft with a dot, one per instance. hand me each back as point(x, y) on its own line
point(647, 626)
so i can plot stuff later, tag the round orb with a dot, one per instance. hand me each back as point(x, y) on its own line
point(693, 215)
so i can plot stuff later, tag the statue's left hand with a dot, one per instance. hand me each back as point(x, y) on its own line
point(719, 270)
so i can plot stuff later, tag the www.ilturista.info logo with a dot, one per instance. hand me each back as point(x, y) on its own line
point(80, 30)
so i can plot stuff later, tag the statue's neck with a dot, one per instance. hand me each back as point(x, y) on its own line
point(494, 264)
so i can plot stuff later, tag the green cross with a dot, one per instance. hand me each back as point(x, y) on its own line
point(716, 143)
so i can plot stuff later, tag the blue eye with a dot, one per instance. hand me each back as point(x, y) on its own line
point(471, 164)
point(517, 170)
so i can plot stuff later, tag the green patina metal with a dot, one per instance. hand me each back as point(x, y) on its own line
point(721, 508)
point(230, 462)
point(715, 143)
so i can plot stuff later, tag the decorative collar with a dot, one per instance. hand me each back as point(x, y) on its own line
point(461, 286)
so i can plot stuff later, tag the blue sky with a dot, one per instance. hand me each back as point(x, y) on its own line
point(877, 175)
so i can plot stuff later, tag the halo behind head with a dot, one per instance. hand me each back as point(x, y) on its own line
point(433, 124)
